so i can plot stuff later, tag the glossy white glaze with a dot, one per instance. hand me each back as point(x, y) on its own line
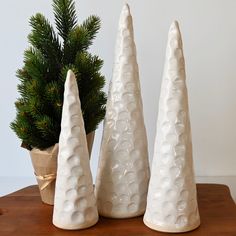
point(123, 172)
point(172, 203)
point(74, 203)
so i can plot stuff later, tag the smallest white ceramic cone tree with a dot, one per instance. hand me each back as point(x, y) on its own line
point(172, 201)
point(74, 203)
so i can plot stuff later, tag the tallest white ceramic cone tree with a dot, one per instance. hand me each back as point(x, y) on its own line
point(171, 203)
point(123, 173)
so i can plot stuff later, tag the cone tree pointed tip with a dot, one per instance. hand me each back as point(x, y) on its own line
point(70, 73)
point(174, 27)
point(175, 24)
point(126, 7)
point(70, 78)
point(126, 10)
point(174, 36)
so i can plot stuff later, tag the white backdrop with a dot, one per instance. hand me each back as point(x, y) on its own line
point(209, 36)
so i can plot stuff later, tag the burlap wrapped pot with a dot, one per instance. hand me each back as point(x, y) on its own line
point(45, 168)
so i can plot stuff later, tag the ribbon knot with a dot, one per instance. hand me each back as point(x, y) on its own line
point(47, 178)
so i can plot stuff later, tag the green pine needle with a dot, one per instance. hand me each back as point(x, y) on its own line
point(65, 16)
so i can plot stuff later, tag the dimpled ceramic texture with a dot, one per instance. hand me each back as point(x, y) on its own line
point(123, 172)
point(74, 203)
point(172, 203)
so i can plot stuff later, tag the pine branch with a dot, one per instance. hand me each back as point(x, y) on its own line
point(54, 96)
point(47, 128)
point(77, 41)
point(65, 16)
point(44, 39)
point(35, 64)
point(81, 38)
point(26, 131)
point(92, 119)
point(92, 25)
point(90, 77)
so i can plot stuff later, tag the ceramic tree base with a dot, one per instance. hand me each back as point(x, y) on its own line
point(123, 171)
point(172, 201)
point(170, 229)
point(75, 203)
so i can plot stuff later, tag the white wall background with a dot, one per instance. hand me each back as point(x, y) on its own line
point(209, 36)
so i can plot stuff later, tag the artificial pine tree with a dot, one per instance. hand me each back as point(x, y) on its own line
point(42, 77)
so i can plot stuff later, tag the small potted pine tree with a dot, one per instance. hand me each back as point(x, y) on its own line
point(41, 87)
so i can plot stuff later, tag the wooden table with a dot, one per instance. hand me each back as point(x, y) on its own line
point(22, 213)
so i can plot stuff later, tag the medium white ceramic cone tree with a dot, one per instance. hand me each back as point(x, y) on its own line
point(123, 172)
point(75, 203)
point(172, 202)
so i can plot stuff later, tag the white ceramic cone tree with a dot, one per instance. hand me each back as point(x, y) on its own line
point(123, 172)
point(74, 203)
point(172, 203)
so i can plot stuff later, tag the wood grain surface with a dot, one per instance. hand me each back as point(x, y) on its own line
point(22, 213)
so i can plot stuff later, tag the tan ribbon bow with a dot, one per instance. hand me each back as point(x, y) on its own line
point(47, 178)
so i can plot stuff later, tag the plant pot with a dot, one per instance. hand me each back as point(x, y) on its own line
point(45, 168)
